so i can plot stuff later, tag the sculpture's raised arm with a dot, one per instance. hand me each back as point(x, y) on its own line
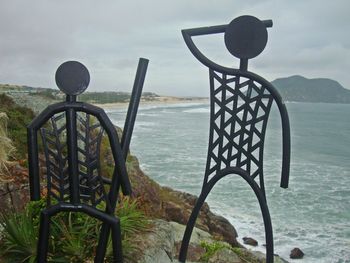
point(201, 31)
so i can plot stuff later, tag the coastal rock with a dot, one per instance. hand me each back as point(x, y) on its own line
point(14, 192)
point(172, 205)
point(221, 227)
point(175, 212)
point(158, 245)
point(194, 252)
point(296, 253)
point(250, 241)
point(198, 235)
point(225, 256)
point(162, 243)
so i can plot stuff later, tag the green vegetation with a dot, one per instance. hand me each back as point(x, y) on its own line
point(104, 97)
point(132, 219)
point(6, 147)
point(19, 117)
point(74, 236)
point(53, 95)
point(19, 235)
point(212, 248)
point(111, 97)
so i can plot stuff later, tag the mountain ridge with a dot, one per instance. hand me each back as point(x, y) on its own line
point(297, 88)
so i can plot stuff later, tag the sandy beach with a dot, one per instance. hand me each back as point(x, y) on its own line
point(155, 101)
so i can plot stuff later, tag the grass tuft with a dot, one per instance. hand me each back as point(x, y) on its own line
point(73, 236)
point(6, 146)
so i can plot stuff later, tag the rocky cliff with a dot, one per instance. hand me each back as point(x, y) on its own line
point(168, 211)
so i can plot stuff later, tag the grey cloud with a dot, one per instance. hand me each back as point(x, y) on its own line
point(308, 38)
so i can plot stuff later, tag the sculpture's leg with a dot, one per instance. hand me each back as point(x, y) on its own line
point(44, 233)
point(190, 225)
point(206, 190)
point(117, 243)
point(266, 216)
point(102, 243)
point(267, 221)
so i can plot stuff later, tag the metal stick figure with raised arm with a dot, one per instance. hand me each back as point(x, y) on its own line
point(240, 103)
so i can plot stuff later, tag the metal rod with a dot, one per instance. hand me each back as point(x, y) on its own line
point(208, 30)
point(243, 65)
point(33, 164)
point(125, 143)
point(72, 155)
point(134, 105)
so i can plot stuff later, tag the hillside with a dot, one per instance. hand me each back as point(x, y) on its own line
point(56, 94)
point(301, 89)
point(39, 98)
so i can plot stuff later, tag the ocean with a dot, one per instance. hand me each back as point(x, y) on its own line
point(313, 214)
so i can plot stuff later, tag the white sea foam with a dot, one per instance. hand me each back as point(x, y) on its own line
point(148, 114)
point(170, 105)
point(198, 110)
point(115, 110)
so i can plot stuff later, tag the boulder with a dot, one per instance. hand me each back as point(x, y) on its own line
point(194, 252)
point(222, 228)
point(162, 243)
point(261, 257)
point(157, 245)
point(225, 256)
point(198, 235)
point(296, 253)
point(250, 241)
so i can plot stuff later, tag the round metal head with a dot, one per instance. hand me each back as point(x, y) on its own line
point(72, 78)
point(246, 37)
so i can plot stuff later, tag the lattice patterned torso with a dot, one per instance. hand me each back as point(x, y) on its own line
point(239, 111)
point(89, 136)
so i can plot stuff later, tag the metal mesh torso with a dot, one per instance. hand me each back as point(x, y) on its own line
point(239, 111)
point(89, 136)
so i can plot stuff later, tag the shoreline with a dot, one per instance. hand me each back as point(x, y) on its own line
point(156, 101)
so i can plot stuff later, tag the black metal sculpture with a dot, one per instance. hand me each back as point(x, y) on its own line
point(240, 103)
point(71, 132)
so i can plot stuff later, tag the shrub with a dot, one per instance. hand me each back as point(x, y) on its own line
point(6, 147)
point(73, 236)
point(19, 237)
point(19, 118)
point(211, 249)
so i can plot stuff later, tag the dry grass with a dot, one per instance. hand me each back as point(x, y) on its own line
point(6, 147)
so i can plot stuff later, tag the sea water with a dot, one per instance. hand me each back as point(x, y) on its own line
point(312, 214)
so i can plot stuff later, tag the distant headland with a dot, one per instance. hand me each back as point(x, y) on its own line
point(294, 89)
point(300, 89)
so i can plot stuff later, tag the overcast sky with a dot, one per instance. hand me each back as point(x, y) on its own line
point(309, 38)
